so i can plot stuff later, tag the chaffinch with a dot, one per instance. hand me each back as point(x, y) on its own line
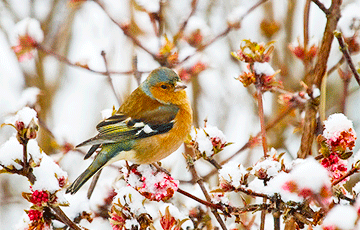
point(151, 124)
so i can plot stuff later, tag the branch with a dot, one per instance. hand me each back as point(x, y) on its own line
point(103, 54)
point(311, 109)
point(321, 6)
point(199, 181)
point(351, 172)
point(63, 217)
point(68, 62)
point(345, 51)
point(126, 31)
point(225, 32)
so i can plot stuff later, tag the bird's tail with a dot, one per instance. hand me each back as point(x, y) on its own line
point(95, 166)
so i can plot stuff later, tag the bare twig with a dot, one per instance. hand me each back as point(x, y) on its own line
point(262, 121)
point(137, 74)
point(68, 62)
point(351, 172)
point(270, 125)
point(321, 6)
point(103, 54)
point(316, 78)
point(199, 181)
point(124, 28)
point(345, 51)
point(179, 34)
point(204, 202)
point(225, 32)
point(62, 216)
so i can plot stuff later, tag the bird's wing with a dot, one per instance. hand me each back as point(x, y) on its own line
point(120, 127)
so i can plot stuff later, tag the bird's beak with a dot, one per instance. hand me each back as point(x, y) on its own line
point(179, 86)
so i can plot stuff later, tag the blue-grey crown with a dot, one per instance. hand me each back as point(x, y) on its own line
point(162, 74)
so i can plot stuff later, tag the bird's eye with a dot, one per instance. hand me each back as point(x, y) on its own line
point(163, 86)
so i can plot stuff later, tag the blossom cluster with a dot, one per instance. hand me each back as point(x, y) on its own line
point(152, 184)
point(257, 56)
point(337, 141)
point(207, 141)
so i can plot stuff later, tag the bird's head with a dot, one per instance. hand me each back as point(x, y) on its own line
point(165, 86)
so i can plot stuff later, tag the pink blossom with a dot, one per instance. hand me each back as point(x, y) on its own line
point(39, 197)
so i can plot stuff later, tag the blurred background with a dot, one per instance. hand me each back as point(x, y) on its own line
point(69, 99)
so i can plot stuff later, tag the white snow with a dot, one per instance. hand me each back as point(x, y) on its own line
point(30, 27)
point(233, 172)
point(337, 123)
point(236, 15)
point(342, 217)
point(10, 151)
point(263, 68)
point(25, 115)
point(151, 6)
point(47, 175)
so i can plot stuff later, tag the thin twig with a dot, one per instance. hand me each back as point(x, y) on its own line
point(321, 6)
point(179, 34)
point(108, 77)
point(68, 62)
point(262, 121)
point(270, 125)
point(346, 53)
point(63, 217)
point(137, 74)
point(351, 172)
point(224, 33)
point(204, 202)
point(199, 181)
point(126, 31)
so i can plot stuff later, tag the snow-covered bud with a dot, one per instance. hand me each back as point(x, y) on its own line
point(151, 183)
point(27, 34)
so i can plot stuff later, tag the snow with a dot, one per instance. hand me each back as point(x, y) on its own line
point(130, 223)
point(47, 175)
point(28, 97)
point(128, 195)
point(236, 15)
point(30, 27)
point(106, 113)
point(336, 123)
point(356, 188)
point(151, 6)
point(310, 168)
point(202, 137)
point(25, 115)
point(263, 69)
point(270, 166)
point(342, 217)
point(233, 172)
point(10, 151)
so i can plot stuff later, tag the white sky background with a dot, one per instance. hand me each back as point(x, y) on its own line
point(82, 95)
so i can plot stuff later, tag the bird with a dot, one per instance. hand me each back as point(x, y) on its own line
point(151, 124)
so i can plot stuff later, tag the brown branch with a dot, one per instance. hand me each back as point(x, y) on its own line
point(311, 109)
point(68, 62)
point(63, 217)
point(346, 53)
point(179, 34)
point(200, 182)
point(108, 77)
point(262, 120)
point(126, 31)
point(204, 202)
point(351, 172)
point(321, 6)
point(270, 125)
point(225, 32)
point(137, 74)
